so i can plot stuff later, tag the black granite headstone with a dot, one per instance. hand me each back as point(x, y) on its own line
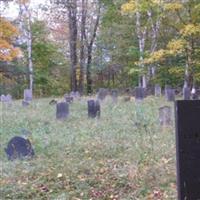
point(139, 93)
point(186, 93)
point(62, 110)
point(19, 148)
point(188, 149)
point(93, 108)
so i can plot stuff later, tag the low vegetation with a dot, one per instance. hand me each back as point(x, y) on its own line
point(123, 155)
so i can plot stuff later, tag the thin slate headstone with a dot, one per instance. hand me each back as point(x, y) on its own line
point(19, 148)
point(158, 90)
point(139, 93)
point(186, 93)
point(62, 110)
point(102, 93)
point(165, 116)
point(28, 95)
point(93, 109)
point(188, 149)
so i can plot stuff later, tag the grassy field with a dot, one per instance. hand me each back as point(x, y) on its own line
point(125, 155)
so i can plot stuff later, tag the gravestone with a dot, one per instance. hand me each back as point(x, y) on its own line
point(28, 95)
point(188, 149)
point(139, 93)
point(165, 116)
point(25, 103)
point(194, 94)
point(62, 110)
point(6, 99)
point(19, 148)
point(102, 93)
point(53, 102)
point(157, 90)
point(186, 93)
point(127, 98)
point(114, 95)
point(93, 108)
point(169, 94)
point(68, 98)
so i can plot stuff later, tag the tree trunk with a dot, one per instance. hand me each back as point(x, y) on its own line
point(141, 34)
point(89, 51)
point(29, 49)
point(82, 46)
point(88, 73)
point(72, 15)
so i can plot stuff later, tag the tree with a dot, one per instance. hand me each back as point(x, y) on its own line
point(8, 33)
point(184, 46)
point(24, 19)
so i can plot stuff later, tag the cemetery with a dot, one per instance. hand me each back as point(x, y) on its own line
point(99, 100)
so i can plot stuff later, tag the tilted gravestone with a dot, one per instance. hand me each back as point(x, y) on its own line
point(93, 108)
point(165, 116)
point(157, 90)
point(28, 96)
point(19, 148)
point(188, 149)
point(114, 95)
point(62, 110)
point(186, 93)
point(102, 93)
point(139, 93)
point(53, 102)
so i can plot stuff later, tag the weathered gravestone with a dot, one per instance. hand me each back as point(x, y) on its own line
point(68, 98)
point(157, 90)
point(127, 98)
point(62, 110)
point(93, 108)
point(165, 116)
point(6, 99)
point(102, 93)
point(188, 149)
point(25, 103)
point(186, 93)
point(19, 148)
point(28, 95)
point(114, 95)
point(139, 93)
point(169, 93)
point(53, 102)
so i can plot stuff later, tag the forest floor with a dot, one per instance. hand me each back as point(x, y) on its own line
point(124, 155)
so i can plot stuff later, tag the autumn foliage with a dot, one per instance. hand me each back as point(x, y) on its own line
point(8, 32)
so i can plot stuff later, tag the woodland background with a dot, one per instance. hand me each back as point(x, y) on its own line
point(81, 45)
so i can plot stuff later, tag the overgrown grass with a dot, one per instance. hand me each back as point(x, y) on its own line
point(123, 155)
